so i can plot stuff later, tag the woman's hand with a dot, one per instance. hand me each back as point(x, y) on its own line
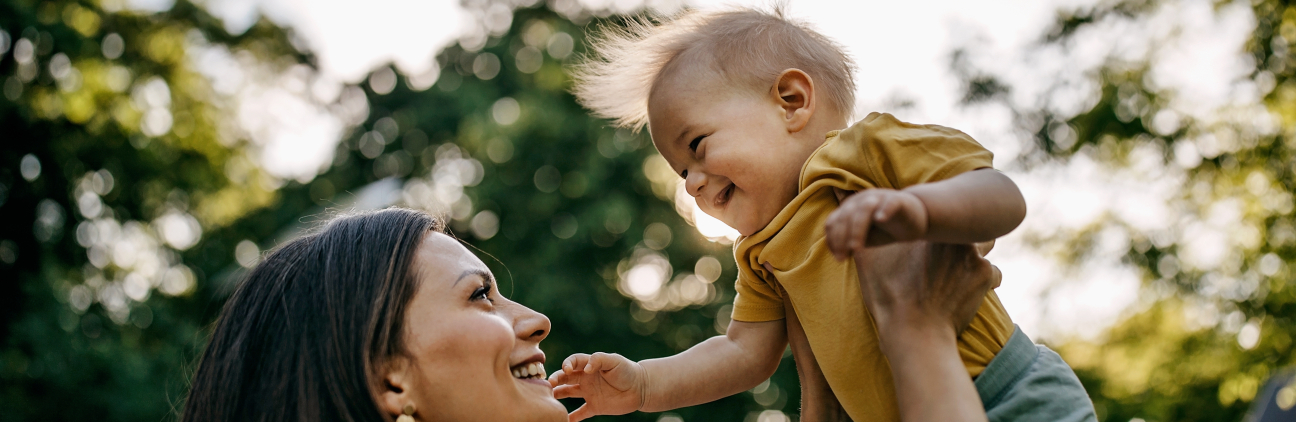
point(921, 295)
point(928, 284)
point(609, 383)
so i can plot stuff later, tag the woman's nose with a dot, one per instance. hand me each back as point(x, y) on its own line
point(531, 325)
point(694, 183)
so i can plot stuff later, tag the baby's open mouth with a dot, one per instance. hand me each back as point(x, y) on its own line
point(723, 197)
point(533, 370)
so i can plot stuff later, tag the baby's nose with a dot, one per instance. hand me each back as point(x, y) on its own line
point(694, 183)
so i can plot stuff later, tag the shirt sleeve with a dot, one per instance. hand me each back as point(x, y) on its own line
point(756, 301)
point(900, 155)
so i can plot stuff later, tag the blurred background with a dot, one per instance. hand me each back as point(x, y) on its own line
point(153, 150)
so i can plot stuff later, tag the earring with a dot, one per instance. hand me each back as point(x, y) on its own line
point(408, 415)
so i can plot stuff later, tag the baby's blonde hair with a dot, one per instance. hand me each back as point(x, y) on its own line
point(747, 46)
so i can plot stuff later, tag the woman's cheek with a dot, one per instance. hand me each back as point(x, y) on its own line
point(487, 336)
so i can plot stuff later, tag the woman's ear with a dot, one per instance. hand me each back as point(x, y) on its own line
point(397, 381)
point(794, 92)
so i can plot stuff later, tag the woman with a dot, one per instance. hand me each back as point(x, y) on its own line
point(381, 316)
point(375, 316)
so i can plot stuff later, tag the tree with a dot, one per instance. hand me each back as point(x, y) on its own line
point(117, 190)
point(136, 201)
point(1219, 308)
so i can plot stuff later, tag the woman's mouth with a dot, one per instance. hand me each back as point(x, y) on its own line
point(530, 370)
point(533, 372)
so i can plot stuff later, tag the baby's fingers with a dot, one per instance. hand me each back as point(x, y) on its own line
point(886, 209)
point(575, 362)
point(890, 218)
point(600, 361)
point(568, 391)
point(897, 217)
point(558, 378)
point(582, 413)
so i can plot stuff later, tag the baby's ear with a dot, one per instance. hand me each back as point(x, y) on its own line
point(794, 92)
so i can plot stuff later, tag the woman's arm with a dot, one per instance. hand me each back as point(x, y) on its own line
point(921, 295)
point(930, 380)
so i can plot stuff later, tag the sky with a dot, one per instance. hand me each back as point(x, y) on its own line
point(903, 53)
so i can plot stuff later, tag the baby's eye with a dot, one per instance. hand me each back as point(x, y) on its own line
point(684, 174)
point(693, 145)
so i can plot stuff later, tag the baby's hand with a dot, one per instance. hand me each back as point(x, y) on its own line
point(874, 217)
point(609, 383)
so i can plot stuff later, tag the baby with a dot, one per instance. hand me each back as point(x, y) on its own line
point(751, 110)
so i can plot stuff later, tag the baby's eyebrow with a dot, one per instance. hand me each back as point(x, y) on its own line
point(683, 134)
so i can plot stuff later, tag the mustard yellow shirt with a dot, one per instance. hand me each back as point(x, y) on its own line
point(878, 152)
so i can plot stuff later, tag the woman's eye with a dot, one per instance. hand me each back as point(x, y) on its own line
point(693, 145)
point(482, 292)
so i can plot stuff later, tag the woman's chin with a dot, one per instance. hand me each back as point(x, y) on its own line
point(539, 394)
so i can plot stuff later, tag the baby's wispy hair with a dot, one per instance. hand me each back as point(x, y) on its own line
point(745, 46)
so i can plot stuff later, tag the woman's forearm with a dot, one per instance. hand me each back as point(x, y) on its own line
point(930, 379)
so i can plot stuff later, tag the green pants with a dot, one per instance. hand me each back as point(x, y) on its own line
point(1030, 382)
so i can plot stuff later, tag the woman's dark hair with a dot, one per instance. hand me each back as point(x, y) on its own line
point(305, 336)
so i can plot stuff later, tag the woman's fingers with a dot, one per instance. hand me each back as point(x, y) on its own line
point(835, 235)
point(860, 220)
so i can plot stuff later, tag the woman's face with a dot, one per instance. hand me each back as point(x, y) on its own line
point(467, 344)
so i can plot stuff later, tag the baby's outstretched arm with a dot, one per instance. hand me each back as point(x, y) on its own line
point(719, 367)
point(977, 206)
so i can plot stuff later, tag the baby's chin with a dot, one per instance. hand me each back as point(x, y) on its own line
point(752, 226)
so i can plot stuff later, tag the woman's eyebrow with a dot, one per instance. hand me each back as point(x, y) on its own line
point(485, 275)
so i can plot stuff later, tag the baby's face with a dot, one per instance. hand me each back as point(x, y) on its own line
point(733, 149)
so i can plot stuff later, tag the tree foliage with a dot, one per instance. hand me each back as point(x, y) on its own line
point(135, 200)
point(1207, 332)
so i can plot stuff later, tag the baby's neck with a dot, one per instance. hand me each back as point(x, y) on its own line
point(813, 134)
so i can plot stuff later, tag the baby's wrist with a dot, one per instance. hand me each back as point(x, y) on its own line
point(924, 217)
point(644, 384)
